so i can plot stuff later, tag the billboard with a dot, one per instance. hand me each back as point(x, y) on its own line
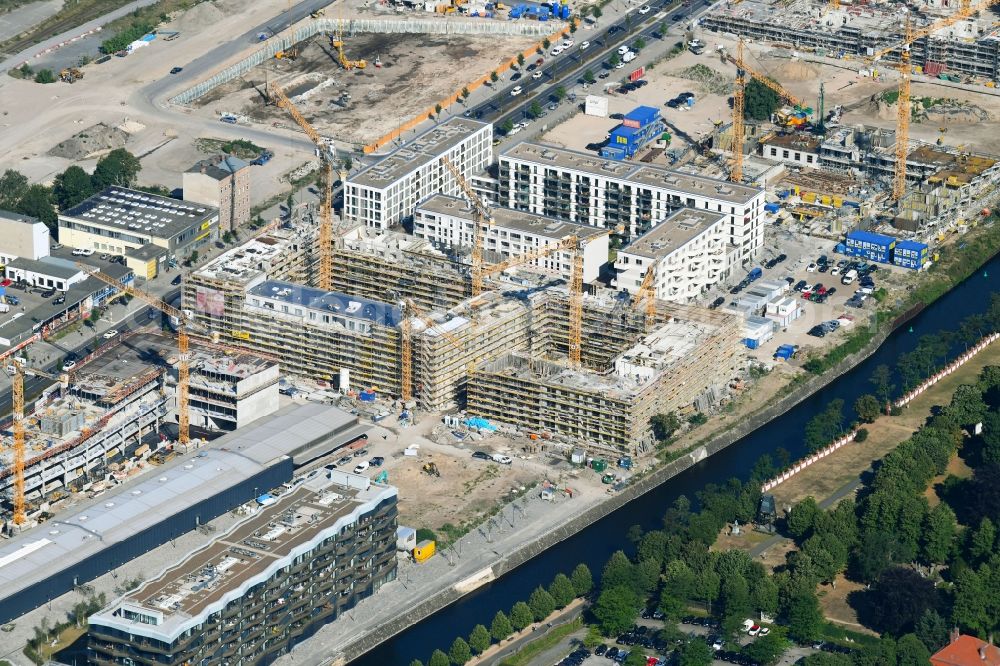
point(210, 301)
point(595, 105)
point(637, 74)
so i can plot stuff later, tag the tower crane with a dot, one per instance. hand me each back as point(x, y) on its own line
point(647, 295)
point(406, 375)
point(279, 97)
point(966, 9)
point(337, 42)
point(480, 218)
point(20, 515)
point(183, 323)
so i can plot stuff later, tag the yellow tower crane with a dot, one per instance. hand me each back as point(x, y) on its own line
point(183, 363)
point(20, 514)
point(278, 96)
point(406, 355)
point(337, 42)
point(481, 219)
point(965, 10)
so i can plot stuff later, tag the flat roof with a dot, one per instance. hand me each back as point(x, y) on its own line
point(140, 212)
point(334, 302)
point(510, 218)
point(96, 524)
point(244, 263)
point(18, 217)
point(644, 174)
point(793, 142)
point(252, 551)
point(420, 150)
point(49, 266)
point(673, 232)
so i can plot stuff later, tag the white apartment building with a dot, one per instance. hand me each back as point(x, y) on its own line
point(686, 251)
point(447, 223)
point(22, 236)
point(385, 194)
point(587, 189)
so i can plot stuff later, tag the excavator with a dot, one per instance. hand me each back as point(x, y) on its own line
point(70, 75)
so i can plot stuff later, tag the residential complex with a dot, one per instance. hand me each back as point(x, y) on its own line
point(686, 252)
point(582, 188)
point(447, 222)
point(385, 194)
point(299, 561)
point(222, 182)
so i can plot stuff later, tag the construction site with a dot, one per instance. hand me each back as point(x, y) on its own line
point(389, 79)
point(115, 416)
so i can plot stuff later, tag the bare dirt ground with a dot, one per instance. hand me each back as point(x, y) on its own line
point(831, 473)
point(416, 72)
point(833, 602)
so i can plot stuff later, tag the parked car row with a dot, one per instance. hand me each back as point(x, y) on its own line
point(735, 658)
point(700, 621)
point(640, 635)
point(493, 457)
point(574, 658)
point(821, 330)
point(680, 100)
point(832, 647)
point(771, 263)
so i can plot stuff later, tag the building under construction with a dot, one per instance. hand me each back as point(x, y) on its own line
point(970, 47)
point(91, 431)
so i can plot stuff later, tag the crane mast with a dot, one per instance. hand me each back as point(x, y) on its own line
point(480, 218)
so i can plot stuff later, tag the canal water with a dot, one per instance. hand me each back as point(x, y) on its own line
point(595, 544)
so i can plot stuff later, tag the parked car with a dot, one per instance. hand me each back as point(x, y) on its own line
point(360, 467)
point(516, 76)
point(360, 453)
point(537, 75)
point(376, 461)
point(811, 268)
point(82, 252)
point(59, 301)
point(68, 365)
point(645, 9)
point(346, 460)
point(110, 333)
point(176, 70)
point(176, 280)
point(717, 302)
point(481, 455)
point(502, 459)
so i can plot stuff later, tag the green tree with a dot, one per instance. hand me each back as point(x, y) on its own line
point(507, 126)
point(13, 185)
point(583, 581)
point(639, 44)
point(874, 555)
point(541, 602)
point(827, 659)
point(546, 43)
point(615, 609)
point(664, 425)
point(520, 58)
point(465, 94)
point(805, 620)
point(911, 652)
point(614, 59)
point(972, 601)
point(825, 426)
point(734, 600)
point(981, 543)
point(535, 109)
point(560, 93)
point(521, 616)
point(561, 590)
point(867, 408)
point(416, 662)
point(899, 599)
point(479, 639)
point(932, 630)
point(71, 187)
point(25, 71)
point(764, 595)
point(760, 101)
point(596, 12)
point(696, 652)
point(119, 167)
point(617, 571)
point(459, 652)
point(588, 77)
point(802, 518)
point(494, 77)
point(439, 658)
point(861, 435)
point(882, 380)
point(768, 649)
point(637, 657)
point(37, 202)
point(967, 405)
point(572, 26)
point(45, 76)
point(939, 534)
point(501, 627)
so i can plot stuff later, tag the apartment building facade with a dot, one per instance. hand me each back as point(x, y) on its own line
point(385, 194)
point(447, 222)
point(222, 182)
point(686, 252)
point(586, 189)
point(299, 562)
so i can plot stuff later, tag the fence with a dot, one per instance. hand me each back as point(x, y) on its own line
point(907, 398)
point(289, 38)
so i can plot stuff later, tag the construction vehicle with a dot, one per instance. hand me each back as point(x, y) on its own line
point(277, 95)
point(70, 75)
point(290, 54)
point(20, 370)
point(337, 42)
point(318, 13)
point(431, 469)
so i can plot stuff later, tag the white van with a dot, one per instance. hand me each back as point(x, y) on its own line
point(628, 57)
point(622, 50)
point(849, 277)
point(360, 467)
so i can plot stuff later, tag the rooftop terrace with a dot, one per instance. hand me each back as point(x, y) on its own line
point(673, 232)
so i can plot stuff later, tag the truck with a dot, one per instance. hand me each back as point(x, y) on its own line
point(625, 462)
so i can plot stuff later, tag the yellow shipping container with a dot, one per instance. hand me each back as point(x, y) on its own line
point(838, 202)
point(809, 197)
point(423, 551)
point(825, 199)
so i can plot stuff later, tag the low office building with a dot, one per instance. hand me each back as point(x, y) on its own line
point(22, 236)
point(687, 253)
point(117, 220)
point(582, 188)
point(222, 182)
point(45, 273)
point(385, 194)
point(297, 563)
point(448, 223)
